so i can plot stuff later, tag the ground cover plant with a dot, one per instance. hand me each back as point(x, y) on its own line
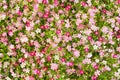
point(59, 39)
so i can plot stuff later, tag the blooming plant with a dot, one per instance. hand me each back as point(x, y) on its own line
point(59, 39)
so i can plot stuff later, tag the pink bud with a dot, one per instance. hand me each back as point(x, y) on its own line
point(19, 13)
point(31, 78)
point(70, 63)
point(21, 60)
point(27, 23)
point(32, 53)
point(104, 11)
point(42, 34)
point(10, 33)
point(67, 34)
point(89, 38)
point(36, 71)
point(45, 16)
point(81, 72)
point(86, 49)
point(44, 1)
point(94, 77)
point(83, 4)
point(46, 26)
point(36, 6)
point(40, 14)
point(68, 7)
point(62, 5)
point(96, 67)
point(101, 39)
point(60, 48)
point(58, 31)
point(118, 1)
point(63, 60)
point(96, 32)
point(55, 2)
point(42, 27)
point(49, 58)
point(118, 36)
point(114, 55)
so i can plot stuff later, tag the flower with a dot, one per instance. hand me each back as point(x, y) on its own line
point(54, 66)
point(76, 53)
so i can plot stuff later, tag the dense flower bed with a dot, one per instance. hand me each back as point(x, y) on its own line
point(59, 39)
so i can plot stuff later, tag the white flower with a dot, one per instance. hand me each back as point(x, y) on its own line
point(95, 47)
point(7, 78)
point(51, 6)
point(97, 72)
point(119, 71)
point(116, 74)
point(87, 32)
point(26, 70)
point(1, 55)
point(27, 78)
point(32, 34)
point(56, 57)
point(23, 65)
point(97, 60)
point(25, 55)
point(41, 55)
point(94, 28)
point(89, 55)
point(56, 16)
point(38, 30)
point(42, 60)
point(76, 1)
point(104, 62)
point(2, 16)
point(84, 16)
point(23, 39)
point(39, 1)
point(24, 19)
point(6, 64)
point(13, 74)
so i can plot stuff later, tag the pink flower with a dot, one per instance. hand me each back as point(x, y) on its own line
point(86, 49)
point(63, 59)
point(95, 66)
point(54, 66)
point(67, 34)
point(76, 53)
point(36, 7)
point(45, 1)
point(55, 2)
point(31, 78)
point(10, 33)
point(49, 58)
point(36, 71)
point(60, 48)
point(21, 60)
point(69, 63)
point(69, 48)
point(81, 72)
point(68, 7)
point(33, 53)
point(40, 14)
point(104, 11)
point(89, 38)
point(78, 22)
point(94, 77)
point(83, 4)
point(118, 1)
point(118, 49)
point(58, 31)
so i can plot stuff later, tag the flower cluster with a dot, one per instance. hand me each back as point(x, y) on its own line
point(60, 39)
